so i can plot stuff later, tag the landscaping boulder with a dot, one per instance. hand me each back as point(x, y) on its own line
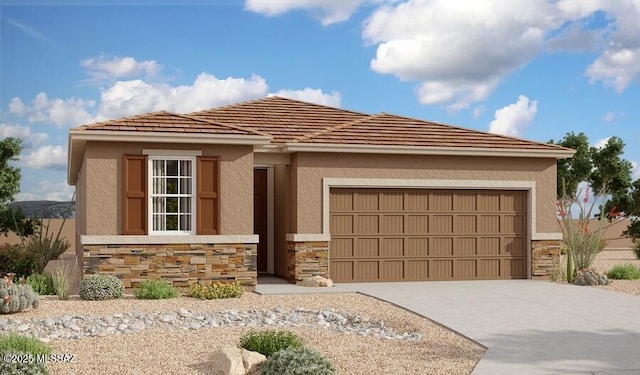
point(316, 281)
point(236, 361)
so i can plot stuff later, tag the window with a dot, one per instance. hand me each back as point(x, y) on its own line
point(170, 192)
point(172, 195)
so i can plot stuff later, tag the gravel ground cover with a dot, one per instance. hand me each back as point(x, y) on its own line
point(419, 347)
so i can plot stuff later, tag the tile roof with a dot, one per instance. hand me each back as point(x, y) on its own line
point(392, 130)
point(167, 122)
point(284, 119)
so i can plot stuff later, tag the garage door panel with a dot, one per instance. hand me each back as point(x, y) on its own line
point(367, 248)
point(392, 248)
point(441, 247)
point(417, 247)
point(421, 234)
point(393, 224)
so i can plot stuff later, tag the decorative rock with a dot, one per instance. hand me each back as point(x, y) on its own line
point(235, 361)
point(317, 281)
point(122, 327)
point(22, 327)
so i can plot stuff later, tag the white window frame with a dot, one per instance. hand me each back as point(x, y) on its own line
point(163, 155)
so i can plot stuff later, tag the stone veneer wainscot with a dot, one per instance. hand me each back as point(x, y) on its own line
point(180, 263)
point(545, 257)
point(306, 259)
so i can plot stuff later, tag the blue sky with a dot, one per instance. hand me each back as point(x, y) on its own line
point(531, 69)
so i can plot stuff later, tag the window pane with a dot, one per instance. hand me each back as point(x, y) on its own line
point(172, 186)
point(172, 205)
point(172, 167)
point(185, 222)
point(158, 168)
point(158, 222)
point(185, 167)
point(171, 222)
point(158, 185)
point(185, 205)
point(158, 205)
point(185, 185)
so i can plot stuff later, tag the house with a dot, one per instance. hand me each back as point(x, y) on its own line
point(292, 189)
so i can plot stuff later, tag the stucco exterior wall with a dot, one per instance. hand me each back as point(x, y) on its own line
point(311, 168)
point(103, 165)
point(281, 218)
point(81, 208)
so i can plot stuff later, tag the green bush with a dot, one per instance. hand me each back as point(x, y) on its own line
point(155, 289)
point(16, 259)
point(297, 361)
point(101, 287)
point(216, 290)
point(636, 248)
point(25, 347)
point(624, 272)
point(16, 297)
point(269, 342)
point(41, 283)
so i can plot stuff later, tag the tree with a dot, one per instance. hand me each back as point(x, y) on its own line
point(11, 219)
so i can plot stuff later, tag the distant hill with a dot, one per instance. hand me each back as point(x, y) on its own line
point(47, 209)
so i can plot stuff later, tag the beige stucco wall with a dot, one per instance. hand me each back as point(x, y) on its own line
point(311, 168)
point(81, 208)
point(281, 218)
point(103, 163)
point(68, 232)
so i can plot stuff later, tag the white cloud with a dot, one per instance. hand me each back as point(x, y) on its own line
point(313, 96)
point(477, 111)
point(575, 38)
point(609, 117)
point(46, 157)
point(61, 112)
point(617, 67)
point(47, 190)
point(513, 119)
point(23, 132)
point(125, 98)
point(331, 11)
point(117, 67)
point(635, 170)
point(601, 142)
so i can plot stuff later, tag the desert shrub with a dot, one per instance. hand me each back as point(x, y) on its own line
point(26, 347)
point(590, 277)
point(41, 283)
point(63, 277)
point(636, 248)
point(297, 361)
point(216, 290)
point(269, 342)
point(45, 246)
point(101, 287)
point(16, 297)
point(155, 289)
point(16, 259)
point(624, 272)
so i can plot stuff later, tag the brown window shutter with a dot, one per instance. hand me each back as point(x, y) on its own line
point(207, 207)
point(134, 187)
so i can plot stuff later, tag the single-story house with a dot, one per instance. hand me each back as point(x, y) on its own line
point(282, 187)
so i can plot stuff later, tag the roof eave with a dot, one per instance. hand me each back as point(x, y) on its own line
point(79, 138)
point(422, 150)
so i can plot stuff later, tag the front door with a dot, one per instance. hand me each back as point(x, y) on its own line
point(260, 216)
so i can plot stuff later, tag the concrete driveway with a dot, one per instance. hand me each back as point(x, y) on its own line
point(529, 327)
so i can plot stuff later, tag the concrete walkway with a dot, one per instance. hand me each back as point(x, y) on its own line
point(529, 327)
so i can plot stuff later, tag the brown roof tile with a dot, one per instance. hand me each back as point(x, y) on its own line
point(167, 122)
point(284, 119)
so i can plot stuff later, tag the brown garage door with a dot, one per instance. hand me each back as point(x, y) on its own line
point(417, 234)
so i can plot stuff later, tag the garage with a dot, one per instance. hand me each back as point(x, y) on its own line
point(427, 234)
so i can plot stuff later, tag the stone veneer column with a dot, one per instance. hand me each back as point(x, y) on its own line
point(545, 257)
point(180, 264)
point(306, 259)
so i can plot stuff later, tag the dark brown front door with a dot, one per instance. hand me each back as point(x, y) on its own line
point(260, 218)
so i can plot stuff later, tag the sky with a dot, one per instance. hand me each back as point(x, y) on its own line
point(532, 69)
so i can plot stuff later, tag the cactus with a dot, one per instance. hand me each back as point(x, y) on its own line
point(16, 297)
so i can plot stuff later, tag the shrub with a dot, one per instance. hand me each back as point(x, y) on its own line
point(269, 342)
point(101, 287)
point(216, 290)
point(16, 297)
point(297, 361)
point(590, 277)
point(155, 289)
point(636, 248)
point(63, 277)
point(27, 347)
point(624, 271)
point(41, 283)
point(44, 246)
point(16, 259)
